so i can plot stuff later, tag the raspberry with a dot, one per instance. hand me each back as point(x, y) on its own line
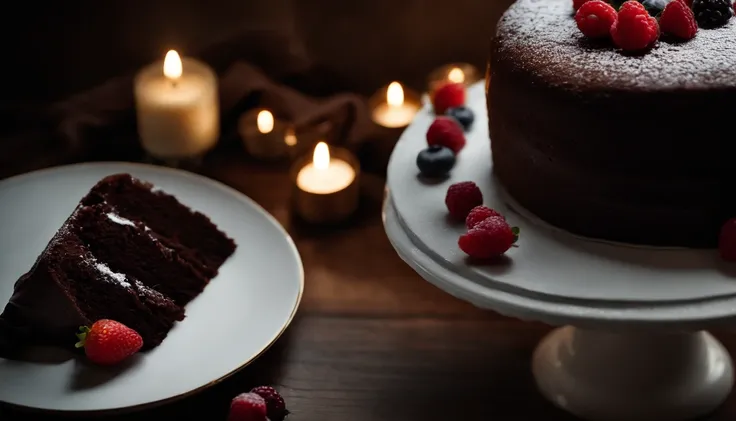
point(678, 20)
point(688, 3)
point(727, 241)
point(445, 131)
point(577, 4)
point(247, 407)
point(595, 19)
point(490, 238)
point(478, 214)
point(634, 30)
point(461, 198)
point(712, 13)
point(447, 96)
point(275, 405)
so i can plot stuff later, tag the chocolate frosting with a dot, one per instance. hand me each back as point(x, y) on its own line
point(608, 145)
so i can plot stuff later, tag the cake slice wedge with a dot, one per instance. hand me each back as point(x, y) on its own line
point(102, 265)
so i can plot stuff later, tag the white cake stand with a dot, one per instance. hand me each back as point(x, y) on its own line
point(632, 345)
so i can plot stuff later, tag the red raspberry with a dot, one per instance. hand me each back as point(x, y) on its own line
point(727, 241)
point(445, 131)
point(595, 19)
point(275, 405)
point(577, 4)
point(478, 214)
point(678, 20)
point(461, 198)
point(247, 407)
point(490, 238)
point(634, 30)
point(447, 96)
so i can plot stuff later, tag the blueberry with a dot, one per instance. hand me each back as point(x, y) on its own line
point(654, 7)
point(435, 161)
point(463, 115)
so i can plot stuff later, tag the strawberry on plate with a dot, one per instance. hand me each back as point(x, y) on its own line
point(108, 342)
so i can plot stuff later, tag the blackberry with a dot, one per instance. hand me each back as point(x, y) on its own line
point(712, 13)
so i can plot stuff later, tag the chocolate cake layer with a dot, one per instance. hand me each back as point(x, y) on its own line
point(608, 145)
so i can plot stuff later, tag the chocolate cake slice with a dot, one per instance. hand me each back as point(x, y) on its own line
point(116, 257)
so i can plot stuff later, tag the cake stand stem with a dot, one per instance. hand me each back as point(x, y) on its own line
point(633, 376)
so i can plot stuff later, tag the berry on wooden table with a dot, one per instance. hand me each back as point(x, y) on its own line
point(678, 20)
point(445, 131)
point(108, 342)
point(478, 214)
point(634, 30)
point(461, 198)
point(248, 407)
point(712, 13)
point(464, 116)
point(595, 18)
point(727, 241)
point(491, 238)
point(275, 404)
point(435, 161)
point(447, 96)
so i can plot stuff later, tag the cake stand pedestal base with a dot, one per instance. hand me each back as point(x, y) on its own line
point(633, 375)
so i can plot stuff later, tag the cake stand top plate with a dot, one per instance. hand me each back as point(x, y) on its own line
point(553, 275)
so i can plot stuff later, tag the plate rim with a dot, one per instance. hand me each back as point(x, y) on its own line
point(213, 183)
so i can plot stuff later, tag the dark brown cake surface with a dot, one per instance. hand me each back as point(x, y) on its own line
point(609, 145)
point(101, 265)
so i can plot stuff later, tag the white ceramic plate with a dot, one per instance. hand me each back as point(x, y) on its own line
point(238, 316)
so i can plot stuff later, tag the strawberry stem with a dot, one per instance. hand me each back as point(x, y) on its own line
point(82, 336)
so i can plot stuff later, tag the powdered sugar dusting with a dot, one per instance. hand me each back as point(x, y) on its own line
point(117, 277)
point(119, 219)
point(540, 36)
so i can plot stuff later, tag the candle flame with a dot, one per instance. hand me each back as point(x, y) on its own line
point(456, 75)
point(321, 157)
point(265, 121)
point(172, 65)
point(395, 94)
point(290, 137)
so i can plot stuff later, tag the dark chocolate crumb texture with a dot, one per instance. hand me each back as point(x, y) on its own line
point(604, 144)
point(127, 253)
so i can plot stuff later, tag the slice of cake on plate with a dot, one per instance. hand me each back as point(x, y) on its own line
point(127, 253)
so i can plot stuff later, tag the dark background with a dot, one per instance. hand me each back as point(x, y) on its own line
point(53, 49)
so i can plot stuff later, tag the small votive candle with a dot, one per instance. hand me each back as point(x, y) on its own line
point(326, 185)
point(463, 73)
point(263, 135)
point(177, 108)
point(394, 107)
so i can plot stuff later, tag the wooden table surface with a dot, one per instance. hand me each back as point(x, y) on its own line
point(372, 340)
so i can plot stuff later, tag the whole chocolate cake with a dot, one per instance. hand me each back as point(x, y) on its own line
point(613, 144)
point(127, 253)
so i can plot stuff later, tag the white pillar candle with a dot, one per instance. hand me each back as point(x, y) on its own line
point(177, 108)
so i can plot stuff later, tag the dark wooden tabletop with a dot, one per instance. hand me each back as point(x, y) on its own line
point(372, 340)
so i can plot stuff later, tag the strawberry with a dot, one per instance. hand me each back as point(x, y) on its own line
point(247, 407)
point(108, 342)
point(727, 241)
point(490, 238)
point(447, 96)
point(275, 405)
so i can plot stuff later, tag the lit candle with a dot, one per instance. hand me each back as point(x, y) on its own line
point(395, 110)
point(463, 73)
point(325, 175)
point(326, 186)
point(177, 108)
point(264, 136)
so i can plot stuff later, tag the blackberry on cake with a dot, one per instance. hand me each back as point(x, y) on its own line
point(712, 13)
point(126, 253)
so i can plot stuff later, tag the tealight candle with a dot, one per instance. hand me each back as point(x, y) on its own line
point(463, 73)
point(326, 185)
point(263, 135)
point(393, 107)
point(177, 108)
